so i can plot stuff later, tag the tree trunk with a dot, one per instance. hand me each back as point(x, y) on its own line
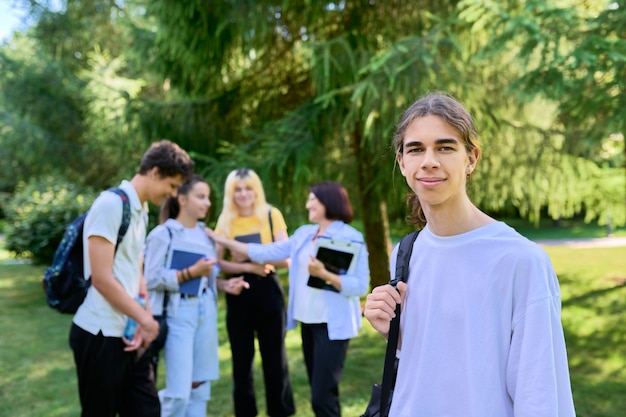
point(378, 240)
point(374, 214)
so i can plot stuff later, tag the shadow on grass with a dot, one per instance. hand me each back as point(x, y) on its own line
point(594, 327)
point(594, 398)
point(589, 298)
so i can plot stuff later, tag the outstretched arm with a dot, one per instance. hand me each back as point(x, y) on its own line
point(279, 236)
point(230, 244)
point(232, 267)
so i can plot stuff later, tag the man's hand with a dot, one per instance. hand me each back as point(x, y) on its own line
point(145, 333)
point(380, 306)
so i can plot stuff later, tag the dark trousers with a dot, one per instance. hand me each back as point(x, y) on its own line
point(324, 360)
point(111, 381)
point(260, 311)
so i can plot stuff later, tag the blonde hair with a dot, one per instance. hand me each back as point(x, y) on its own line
point(230, 210)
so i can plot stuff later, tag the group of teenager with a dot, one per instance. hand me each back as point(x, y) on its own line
point(480, 331)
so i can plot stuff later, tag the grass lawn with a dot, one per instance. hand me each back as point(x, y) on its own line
point(37, 377)
point(566, 229)
point(546, 230)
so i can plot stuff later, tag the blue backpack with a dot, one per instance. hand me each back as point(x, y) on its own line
point(64, 281)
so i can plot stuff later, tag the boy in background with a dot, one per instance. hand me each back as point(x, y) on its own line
point(113, 374)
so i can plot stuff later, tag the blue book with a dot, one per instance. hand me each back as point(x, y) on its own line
point(182, 259)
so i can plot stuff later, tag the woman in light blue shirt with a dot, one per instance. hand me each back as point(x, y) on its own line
point(328, 318)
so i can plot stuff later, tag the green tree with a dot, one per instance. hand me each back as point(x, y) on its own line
point(67, 89)
point(572, 54)
point(313, 88)
point(313, 91)
point(41, 111)
point(306, 91)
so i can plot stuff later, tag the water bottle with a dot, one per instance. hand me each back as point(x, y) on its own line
point(131, 325)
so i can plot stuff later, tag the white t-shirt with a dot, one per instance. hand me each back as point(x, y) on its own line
point(104, 219)
point(481, 334)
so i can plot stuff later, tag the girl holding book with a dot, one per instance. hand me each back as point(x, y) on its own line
point(260, 310)
point(182, 278)
point(329, 316)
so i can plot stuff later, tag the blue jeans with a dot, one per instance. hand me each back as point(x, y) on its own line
point(190, 356)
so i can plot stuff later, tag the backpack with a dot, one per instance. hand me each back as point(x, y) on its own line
point(64, 281)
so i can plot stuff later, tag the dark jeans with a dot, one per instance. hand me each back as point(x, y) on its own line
point(260, 311)
point(324, 360)
point(111, 381)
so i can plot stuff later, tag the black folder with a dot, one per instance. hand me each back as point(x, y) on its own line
point(338, 257)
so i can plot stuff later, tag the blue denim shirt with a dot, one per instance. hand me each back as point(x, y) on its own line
point(344, 308)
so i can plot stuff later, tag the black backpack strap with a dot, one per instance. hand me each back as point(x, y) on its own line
point(125, 214)
point(404, 256)
point(402, 274)
point(269, 215)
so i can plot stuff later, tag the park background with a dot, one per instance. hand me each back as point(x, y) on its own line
point(305, 91)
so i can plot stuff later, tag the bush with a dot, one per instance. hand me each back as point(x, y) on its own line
point(38, 214)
